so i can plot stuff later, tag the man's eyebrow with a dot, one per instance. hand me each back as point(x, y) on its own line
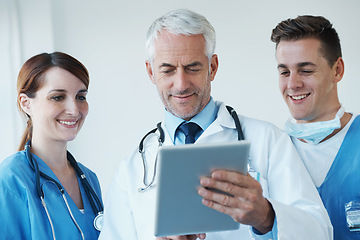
point(166, 65)
point(304, 64)
point(281, 66)
point(194, 64)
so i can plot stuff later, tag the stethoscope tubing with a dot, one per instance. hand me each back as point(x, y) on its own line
point(237, 122)
point(161, 140)
point(89, 191)
point(34, 165)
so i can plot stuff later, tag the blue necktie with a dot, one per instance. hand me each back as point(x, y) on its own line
point(189, 129)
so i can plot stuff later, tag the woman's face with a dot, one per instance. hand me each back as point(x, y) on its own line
point(59, 107)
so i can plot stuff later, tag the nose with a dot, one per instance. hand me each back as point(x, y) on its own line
point(181, 80)
point(71, 107)
point(294, 81)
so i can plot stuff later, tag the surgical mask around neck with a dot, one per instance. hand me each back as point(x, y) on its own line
point(314, 132)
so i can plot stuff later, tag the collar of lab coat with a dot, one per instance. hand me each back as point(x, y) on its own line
point(223, 121)
point(224, 118)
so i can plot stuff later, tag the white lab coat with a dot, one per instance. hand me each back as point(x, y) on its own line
point(129, 214)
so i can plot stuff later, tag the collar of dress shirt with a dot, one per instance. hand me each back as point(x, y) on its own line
point(203, 119)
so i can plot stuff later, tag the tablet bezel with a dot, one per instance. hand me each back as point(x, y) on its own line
point(179, 210)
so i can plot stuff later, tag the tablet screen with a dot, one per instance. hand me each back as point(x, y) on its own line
point(179, 210)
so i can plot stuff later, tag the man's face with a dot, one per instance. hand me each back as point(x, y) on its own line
point(182, 74)
point(307, 82)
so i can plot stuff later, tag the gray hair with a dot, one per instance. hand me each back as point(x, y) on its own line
point(181, 22)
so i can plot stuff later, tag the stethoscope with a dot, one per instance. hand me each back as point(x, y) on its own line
point(161, 140)
point(95, 202)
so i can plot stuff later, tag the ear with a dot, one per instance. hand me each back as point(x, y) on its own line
point(214, 66)
point(24, 102)
point(150, 71)
point(339, 69)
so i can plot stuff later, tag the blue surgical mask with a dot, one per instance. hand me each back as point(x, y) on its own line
point(314, 132)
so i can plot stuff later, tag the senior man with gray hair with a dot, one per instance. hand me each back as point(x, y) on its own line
point(282, 203)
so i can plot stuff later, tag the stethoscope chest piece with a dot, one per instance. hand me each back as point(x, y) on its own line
point(98, 221)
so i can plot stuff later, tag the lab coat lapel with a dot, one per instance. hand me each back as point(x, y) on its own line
point(223, 120)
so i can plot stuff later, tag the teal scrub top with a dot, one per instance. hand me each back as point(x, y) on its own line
point(342, 182)
point(21, 211)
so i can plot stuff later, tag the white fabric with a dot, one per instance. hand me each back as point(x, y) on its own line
point(298, 208)
point(318, 158)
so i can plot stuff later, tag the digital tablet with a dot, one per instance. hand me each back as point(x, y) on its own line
point(179, 210)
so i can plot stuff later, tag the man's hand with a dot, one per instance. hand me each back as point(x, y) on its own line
point(246, 205)
point(187, 237)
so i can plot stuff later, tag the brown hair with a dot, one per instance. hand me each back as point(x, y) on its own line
point(310, 27)
point(32, 77)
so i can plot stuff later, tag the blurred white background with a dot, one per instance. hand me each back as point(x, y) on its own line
point(108, 37)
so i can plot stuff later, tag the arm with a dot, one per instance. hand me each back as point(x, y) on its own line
point(15, 215)
point(299, 210)
point(293, 198)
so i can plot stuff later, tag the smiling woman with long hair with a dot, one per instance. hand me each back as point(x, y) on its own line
point(44, 192)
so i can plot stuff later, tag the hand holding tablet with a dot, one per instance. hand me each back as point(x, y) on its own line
point(179, 209)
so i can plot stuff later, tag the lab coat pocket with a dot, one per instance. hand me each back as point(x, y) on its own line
point(262, 181)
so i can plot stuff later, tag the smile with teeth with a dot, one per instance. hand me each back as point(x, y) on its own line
point(67, 122)
point(299, 97)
